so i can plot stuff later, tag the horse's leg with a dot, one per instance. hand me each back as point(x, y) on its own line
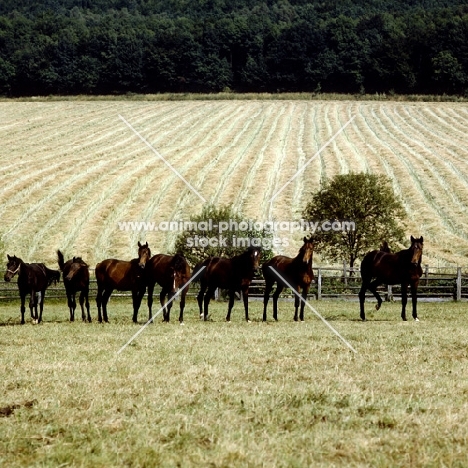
point(170, 301)
point(404, 300)
point(362, 298)
point(414, 298)
point(41, 304)
point(162, 301)
point(296, 303)
point(230, 305)
point(305, 291)
point(82, 300)
point(245, 297)
point(105, 299)
point(99, 294)
point(85, 294)
point(137, 296)
point(266, 297)
point(33, 306)
point(200, 297)
point(373, 289)
point(209, 293)
point(22, 307)
point(72, 304)
point(276, 294)
point(150, 300)
point(182, 305)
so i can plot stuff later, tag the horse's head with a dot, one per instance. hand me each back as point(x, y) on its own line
point(13, 267)
point(75, 266)
point(144, 254)
point(179, 271)
point(255, 253)
point(416, 250)
point(307, 250)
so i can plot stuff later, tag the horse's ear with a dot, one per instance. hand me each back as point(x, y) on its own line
point(74, 260)
point(146, 245)
point(139, 245)
point(9, 258)
point(422, 240)
point(412, 239)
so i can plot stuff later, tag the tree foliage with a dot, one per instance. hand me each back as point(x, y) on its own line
point(150, 46)
point(221, 232)
point(367, 200)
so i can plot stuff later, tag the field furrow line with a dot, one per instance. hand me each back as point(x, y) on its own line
point(435, 165)
point(425, 186)
point(257, 160)
point(440, 149)
point(212, 157)
point(299, 190)
point(101, 205)
point(180, 199)
point(246, 136)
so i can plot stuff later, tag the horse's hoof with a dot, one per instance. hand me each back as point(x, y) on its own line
point(182, 323)
point(248, 321)
point(228, 321)
point(35, 322)
point(416, 319)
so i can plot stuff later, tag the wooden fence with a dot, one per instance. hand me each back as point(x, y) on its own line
point(345, 282)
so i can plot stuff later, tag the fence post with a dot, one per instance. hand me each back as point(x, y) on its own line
point(319, 285)
point(389, 295)
point(459, 284)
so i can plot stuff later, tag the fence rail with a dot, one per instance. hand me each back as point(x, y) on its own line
point(330, 282)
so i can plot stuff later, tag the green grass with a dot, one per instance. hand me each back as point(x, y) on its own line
point(218, 394)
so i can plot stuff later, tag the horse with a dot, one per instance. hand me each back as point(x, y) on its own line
point(402, 267)
point(76, 278)
point(171, 272)
point(124, 276)
point(233, 274)
point(296, 271)
point(33, 279)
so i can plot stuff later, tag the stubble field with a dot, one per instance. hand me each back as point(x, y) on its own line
point(73, 170)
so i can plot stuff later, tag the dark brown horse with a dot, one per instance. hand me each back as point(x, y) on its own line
point(33, 279)
point(233, 274)
point(124, 276)
point(402, 267)
point(76, 278)
point(296, 271)
point(171, 273)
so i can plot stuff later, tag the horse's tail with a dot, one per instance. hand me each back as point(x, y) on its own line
point(60, 259)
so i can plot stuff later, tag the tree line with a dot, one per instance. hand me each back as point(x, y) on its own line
point(153, 46)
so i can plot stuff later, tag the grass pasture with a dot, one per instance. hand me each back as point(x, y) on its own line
point(217, 394)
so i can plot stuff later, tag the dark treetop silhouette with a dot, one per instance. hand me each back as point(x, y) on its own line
point(404, 267)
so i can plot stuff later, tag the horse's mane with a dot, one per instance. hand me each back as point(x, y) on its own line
point(178, 262)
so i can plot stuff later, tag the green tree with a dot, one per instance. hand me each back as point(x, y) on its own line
point(367, 200)
point(228, 239)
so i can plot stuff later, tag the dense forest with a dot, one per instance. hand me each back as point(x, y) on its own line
point(152, 46)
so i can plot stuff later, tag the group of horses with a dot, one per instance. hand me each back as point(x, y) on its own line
point(173, 274)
